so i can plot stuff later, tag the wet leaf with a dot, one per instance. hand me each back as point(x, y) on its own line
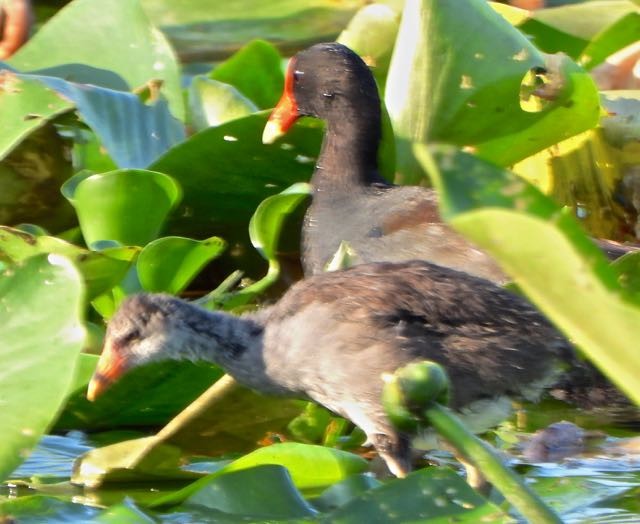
point(42, 335)
point(169, 264)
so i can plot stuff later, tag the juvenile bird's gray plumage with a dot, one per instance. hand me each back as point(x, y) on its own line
point(331, 337)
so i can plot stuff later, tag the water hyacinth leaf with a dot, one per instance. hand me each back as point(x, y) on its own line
point(141, 54)
point(444, 90)
point(169, 264)
point(373, 19)
point(42, 336)
point(212, 103)
point(431, 495)
point(129, 206)
point(134, 133)
point(311, 467)
point(266, 223)
point(100, 270)
point(200, 33)
point(569, 28)
point(220, 196)
point(528, 234)
point(28, 105)
point(618, 35)
point(148, 396)
point(255, 71)
point(265, 491)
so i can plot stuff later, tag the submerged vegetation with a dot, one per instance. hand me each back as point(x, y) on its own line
point(132, 161)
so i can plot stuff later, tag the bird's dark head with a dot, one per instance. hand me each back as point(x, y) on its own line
point(322, 81)
point(146, 328)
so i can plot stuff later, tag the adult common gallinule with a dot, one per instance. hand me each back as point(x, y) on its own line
point(331, 338)
point(351, 201)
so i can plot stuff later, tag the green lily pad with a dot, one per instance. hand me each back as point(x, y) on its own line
point(129, 206)
point(310, 466)
point(169, 264)
point(264, 491)
point(529, 234)
point(432, 495)
point(42, 336)
point(140, 54)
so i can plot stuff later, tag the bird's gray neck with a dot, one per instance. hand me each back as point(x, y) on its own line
point(233, 343)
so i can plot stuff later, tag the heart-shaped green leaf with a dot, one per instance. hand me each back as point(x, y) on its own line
point(169, 264)
point(129, 206)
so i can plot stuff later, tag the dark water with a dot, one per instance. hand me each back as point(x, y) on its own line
point(598, 481)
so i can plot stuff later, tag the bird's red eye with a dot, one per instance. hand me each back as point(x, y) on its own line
point(297, 75)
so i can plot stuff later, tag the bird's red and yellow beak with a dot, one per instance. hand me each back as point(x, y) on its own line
point(285, 113)
point(111, 367)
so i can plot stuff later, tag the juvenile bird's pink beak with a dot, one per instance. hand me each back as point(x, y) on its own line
point(111, 367)
point(285, 113)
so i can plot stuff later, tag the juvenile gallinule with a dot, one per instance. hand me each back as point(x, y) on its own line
point(351, 201)
point(331, 338)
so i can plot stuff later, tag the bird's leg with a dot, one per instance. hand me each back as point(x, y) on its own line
point(475, 478)
point(395, 450)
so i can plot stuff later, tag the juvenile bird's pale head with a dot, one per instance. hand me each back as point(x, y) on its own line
point(143, 330)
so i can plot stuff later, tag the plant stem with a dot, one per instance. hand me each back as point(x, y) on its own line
point(482, 456)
